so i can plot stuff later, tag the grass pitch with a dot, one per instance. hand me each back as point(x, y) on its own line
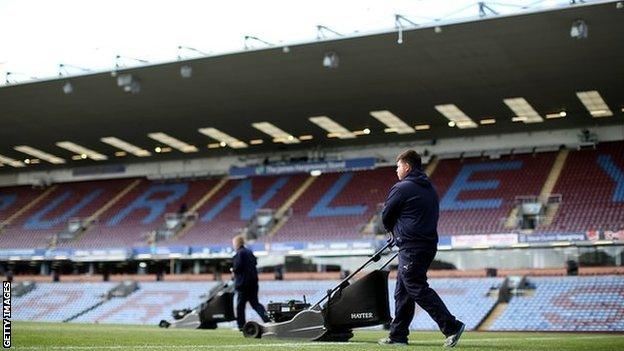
point(67, 336)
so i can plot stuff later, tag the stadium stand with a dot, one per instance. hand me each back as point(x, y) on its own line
point(34, 227)
point(141, 210)
point(477, 195)
point(229, 210)
point(588, 303)
point(592, 188)
point(13, 199)
point(468, 299)
point(151, 303)
point(523, 139)
point(567, 304)
point(337, 205)
point(55, 302)
point(155, 300)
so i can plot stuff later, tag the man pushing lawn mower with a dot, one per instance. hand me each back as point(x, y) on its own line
point(411, 215)
point(245, 281)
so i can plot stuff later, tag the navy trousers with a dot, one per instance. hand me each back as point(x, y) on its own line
point(412, 288)
point(248, 294)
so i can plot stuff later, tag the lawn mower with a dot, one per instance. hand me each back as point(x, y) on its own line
point(218, 307)
point(363, 303)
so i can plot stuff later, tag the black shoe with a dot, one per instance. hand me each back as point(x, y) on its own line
point(452, 340)
point(388, 341)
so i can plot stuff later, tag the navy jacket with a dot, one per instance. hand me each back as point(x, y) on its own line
point(245, 273)
point(411, 212)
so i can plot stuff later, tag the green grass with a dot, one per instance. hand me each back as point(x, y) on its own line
point(59, 336)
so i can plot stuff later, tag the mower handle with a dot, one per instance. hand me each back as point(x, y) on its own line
point(390, 260)
point(374, 258)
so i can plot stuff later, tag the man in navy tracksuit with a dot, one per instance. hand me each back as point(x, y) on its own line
point(245, 281)
point(411, 215)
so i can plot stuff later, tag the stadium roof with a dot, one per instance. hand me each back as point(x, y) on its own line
point(465, 72)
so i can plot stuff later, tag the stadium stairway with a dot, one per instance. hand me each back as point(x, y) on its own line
point(12, 199)
point(477, 195)
point(468, 299)
point(337, 206)
point(13, 234)
point(121, 290)
point(208, 195)
point(369, 228)
point(196, 206)
point(114, 200)
point(590, 303)
point(496, 312)
point(550, 183)
point(152, 302)
point(280, 214)
point(55, 302)
point(502, 294)
point(97, 213)
point(592, 191)
point(19, 289)
point(431, 166)
point(228, 212)
point(555, 173)
point(30, 205)
point(90, 308)
point(512, 219)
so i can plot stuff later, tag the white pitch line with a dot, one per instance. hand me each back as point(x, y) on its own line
point(577, 337)
point(206, 347)
point(296, 344)
point(555, 337)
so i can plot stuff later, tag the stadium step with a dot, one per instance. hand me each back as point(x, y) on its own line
point(121, 290)
point(53, 242)
point(101, 210)
point(547, 188)
point(369, 228)
point(183, 231)
point(113, 201)
point(28, 206)
point(90, 308)
point(554, 174)
point(496, 312)
point(431, 166)
point(280, 214)
point(198, 205)
point(549, 185)
point(512, 219)
point(19, 289)
point(551, 211)
point(208, 195)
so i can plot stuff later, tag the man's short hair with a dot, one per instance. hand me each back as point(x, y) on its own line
point(239, 240)
point(411, 157)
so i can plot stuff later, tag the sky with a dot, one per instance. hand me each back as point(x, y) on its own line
point(37, 35)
